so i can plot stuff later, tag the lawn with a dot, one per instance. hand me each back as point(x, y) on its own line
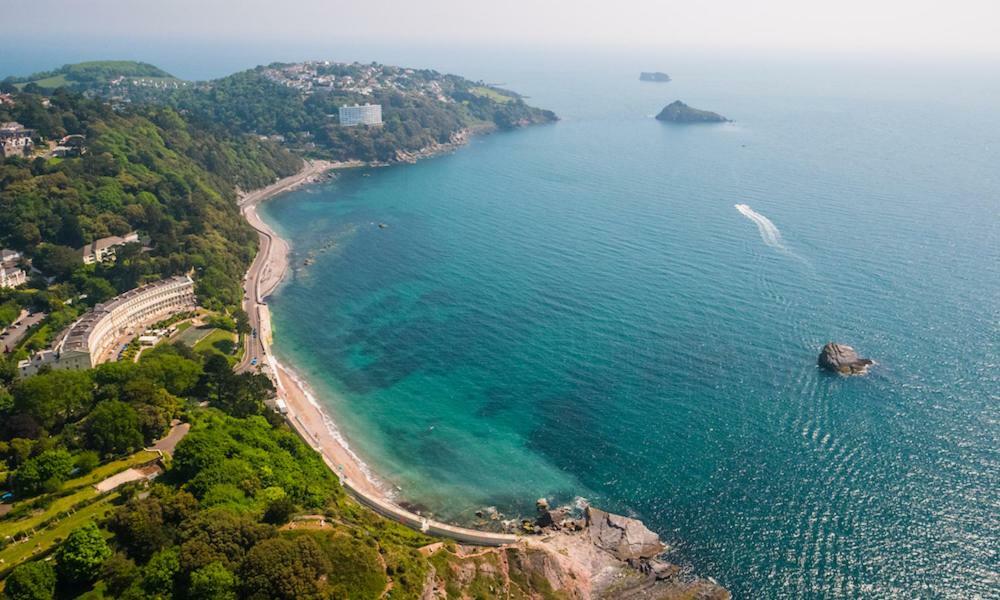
point(41, 543)
point(219, 340)
point(490, 93)
point(84, 491)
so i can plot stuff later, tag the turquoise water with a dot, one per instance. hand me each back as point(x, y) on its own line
point(578, 310)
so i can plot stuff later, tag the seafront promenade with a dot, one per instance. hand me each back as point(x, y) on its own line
point(303, 413)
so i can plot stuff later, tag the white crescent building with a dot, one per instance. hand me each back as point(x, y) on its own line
point(87, 341)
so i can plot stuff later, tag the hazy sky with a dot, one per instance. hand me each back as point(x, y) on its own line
point(904, 26)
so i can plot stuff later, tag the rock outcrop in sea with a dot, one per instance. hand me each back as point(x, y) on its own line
point(678, 112)
point(843, 359)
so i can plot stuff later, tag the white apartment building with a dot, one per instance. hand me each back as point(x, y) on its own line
point(87, 341)
point(105, 248)
point(361, 114)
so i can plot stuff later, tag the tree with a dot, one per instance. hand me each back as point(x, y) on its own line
point(284, 568)
point(47, 472)
point(279, 511)
point(213, 582)
point(158, 574)
point(113, 428)
point(57, 261)
point(80, 557)
point(31, 581)
point(86, 462)
point(54, 398)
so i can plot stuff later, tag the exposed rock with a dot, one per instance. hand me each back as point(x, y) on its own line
point(843, 359)
point(678, 112)
point(569, 564)
point(623, 537)
point(551, 518)
point(541, 504)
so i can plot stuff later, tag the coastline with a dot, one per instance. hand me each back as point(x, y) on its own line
point(303, 412)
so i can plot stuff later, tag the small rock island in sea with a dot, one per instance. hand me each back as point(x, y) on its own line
point(843, 359)
point(678, 112)
point(654, 76)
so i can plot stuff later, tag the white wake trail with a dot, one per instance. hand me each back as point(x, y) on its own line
point(769, 232)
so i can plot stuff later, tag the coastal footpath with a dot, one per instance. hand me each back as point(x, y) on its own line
point(596, 555)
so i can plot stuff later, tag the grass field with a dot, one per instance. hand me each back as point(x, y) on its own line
point(84, 491)
point(490, 93)
point(219, 340)
point(42, 542)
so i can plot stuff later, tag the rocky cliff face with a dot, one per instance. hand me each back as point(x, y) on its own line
point(601, 557)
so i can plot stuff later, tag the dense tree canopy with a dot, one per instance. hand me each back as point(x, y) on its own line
point(145, 169)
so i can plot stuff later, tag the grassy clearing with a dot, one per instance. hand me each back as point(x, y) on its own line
point(41, 543)
point(492, 94)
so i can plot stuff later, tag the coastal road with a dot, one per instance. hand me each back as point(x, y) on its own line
point(268, 267)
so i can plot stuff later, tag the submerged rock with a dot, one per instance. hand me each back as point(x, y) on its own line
point(843, 359)
point(624, 538)
point(678, 112)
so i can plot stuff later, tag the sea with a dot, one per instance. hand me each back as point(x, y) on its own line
point(616, 310)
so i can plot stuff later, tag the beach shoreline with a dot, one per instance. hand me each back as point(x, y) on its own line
point(303, 411)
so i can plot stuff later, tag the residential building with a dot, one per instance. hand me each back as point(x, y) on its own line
point(88, 341)
point(11, 277)
point(105, 249)
point(15, 140)
point(363, 114)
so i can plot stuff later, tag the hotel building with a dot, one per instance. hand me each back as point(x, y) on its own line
point(367, 114)
point(87, 341)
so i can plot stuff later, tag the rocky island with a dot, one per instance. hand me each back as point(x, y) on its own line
point(678, 112)
point(843, 359)
point(654, 76)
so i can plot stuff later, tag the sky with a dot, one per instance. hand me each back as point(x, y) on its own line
point(913, 27)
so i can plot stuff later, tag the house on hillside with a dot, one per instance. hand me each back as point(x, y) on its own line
point(105, 249)
point(15, 139)
point(11, 276)
point(69, 146)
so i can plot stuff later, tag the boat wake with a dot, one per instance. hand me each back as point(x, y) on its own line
point(769, 232)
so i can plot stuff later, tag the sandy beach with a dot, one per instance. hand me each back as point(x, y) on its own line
point(304, 413)
point(264, 276)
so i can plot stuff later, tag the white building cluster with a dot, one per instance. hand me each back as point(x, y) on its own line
point(364, 114)
point(105, 249)
point(11, 276)
point(15, 140)
point(87, 341)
